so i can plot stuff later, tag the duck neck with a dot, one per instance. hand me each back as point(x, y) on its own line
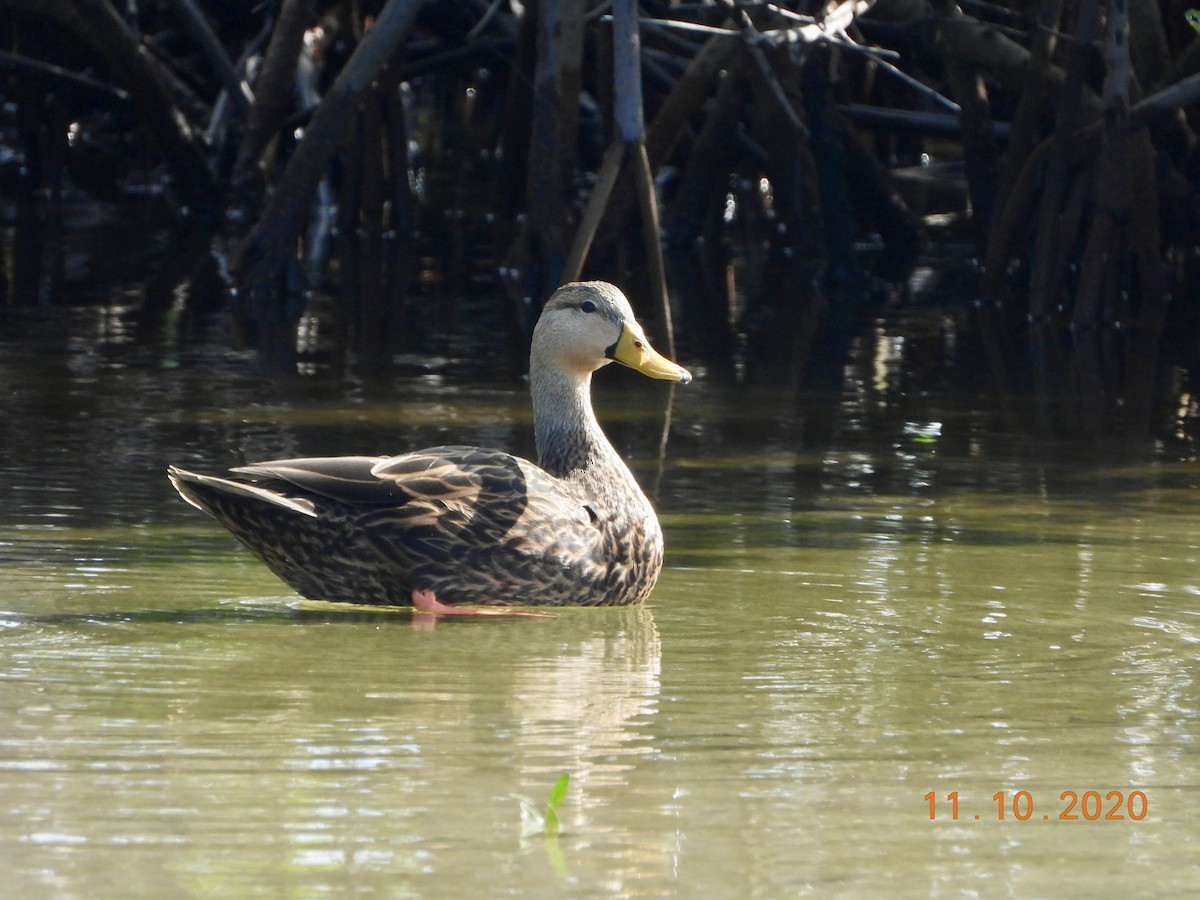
point(570, 442)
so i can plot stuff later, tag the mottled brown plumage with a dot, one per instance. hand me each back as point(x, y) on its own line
point(467, 525)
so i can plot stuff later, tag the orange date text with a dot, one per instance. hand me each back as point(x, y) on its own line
point(1072, 806)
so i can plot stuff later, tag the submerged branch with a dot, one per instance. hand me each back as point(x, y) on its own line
point(97, 25)
point(271, 244)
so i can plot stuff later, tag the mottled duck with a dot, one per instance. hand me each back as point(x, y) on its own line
point(454, 527)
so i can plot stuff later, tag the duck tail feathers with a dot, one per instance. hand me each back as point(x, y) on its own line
point(192, 488)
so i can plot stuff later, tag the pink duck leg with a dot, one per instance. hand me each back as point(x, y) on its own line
point(427, 602)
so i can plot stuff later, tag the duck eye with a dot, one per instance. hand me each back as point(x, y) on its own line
point(587, 306)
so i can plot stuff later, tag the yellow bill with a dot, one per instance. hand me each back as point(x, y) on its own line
point(633, 350)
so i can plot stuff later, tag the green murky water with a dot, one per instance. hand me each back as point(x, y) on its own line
point(866, 600)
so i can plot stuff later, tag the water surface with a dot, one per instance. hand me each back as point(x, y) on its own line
point(867, 598)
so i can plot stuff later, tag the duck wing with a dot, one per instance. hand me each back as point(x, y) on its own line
point(450, 487)
point(347, 479)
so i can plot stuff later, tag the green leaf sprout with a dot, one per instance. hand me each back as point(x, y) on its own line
point(545, 820)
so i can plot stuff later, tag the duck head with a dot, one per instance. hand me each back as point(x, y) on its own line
point(586, 325)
